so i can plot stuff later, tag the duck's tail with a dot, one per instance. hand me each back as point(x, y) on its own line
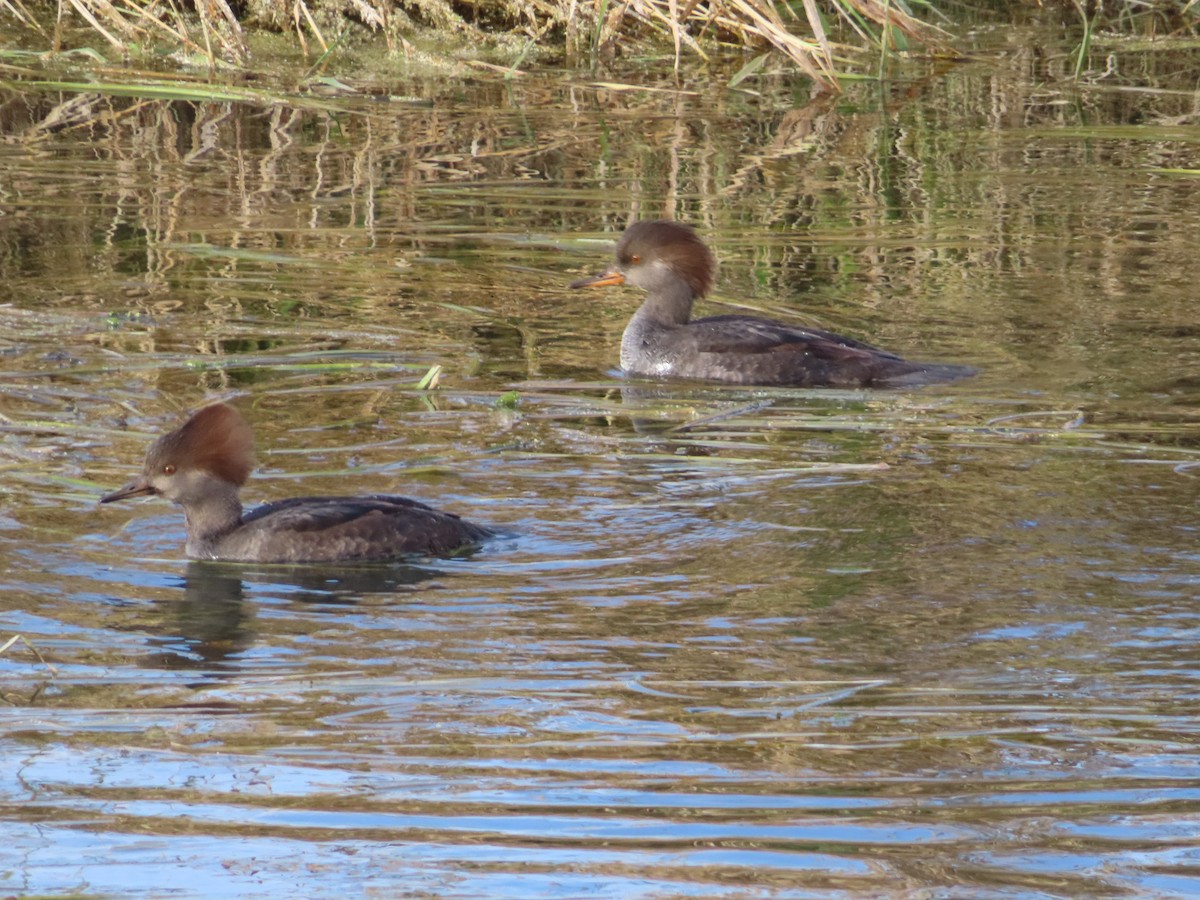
point(916, 374)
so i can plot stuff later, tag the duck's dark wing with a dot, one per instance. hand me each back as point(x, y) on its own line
point(380, 526)
point(763, 351)
point(750, 334)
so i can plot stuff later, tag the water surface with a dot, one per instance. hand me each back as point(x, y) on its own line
point(734, 642)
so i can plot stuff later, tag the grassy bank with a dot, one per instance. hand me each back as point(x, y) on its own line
point(509, 34)
point(826, 41)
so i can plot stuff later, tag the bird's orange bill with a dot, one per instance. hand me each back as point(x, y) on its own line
point(602, 280)
point(136, 488)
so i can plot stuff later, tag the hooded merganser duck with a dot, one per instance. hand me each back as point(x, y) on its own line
point(202, 464)
point(667, 260)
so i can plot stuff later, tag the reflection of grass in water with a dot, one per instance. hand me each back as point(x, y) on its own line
point(20, 638)
point(465, 171)
point(9, 695)
point(683, 420)
point(173, 91)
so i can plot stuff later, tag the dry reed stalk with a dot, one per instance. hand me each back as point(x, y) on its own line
point(762, 21)
point(373, 17)
point(650, 11)
point(889, 15)
point(673, 17)
point(818, 27)
point(127, 21)
point(312, 24)
point(18, 11)
point(751, 21)
point(81, 7)
point(235, 40)
point(815, 61)
point(773, 23)
point(206, 30)
point(115, 18)
point(155, 20)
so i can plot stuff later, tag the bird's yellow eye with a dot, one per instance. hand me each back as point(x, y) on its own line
point(168, 469)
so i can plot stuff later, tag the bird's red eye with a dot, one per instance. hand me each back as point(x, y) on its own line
point(168, 469)
point(635, 259)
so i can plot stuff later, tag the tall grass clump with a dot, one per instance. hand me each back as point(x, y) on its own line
point(580, 32)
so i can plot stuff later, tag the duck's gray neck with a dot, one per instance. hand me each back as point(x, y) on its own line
point(663, 311)
point(669, 303)
point(210, 518)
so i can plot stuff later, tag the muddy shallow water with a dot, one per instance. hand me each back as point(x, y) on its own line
point(732, 641)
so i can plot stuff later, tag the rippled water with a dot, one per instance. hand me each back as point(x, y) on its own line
point(733, 642)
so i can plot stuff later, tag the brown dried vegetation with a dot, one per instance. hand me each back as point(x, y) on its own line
point(578, 31)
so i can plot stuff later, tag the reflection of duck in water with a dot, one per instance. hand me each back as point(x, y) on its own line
point(667, 260)
point(208, 623)
point(202, 465)
point(213, 619)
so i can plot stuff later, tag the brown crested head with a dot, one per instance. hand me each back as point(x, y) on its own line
point(674, 244)
point(216, 439)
